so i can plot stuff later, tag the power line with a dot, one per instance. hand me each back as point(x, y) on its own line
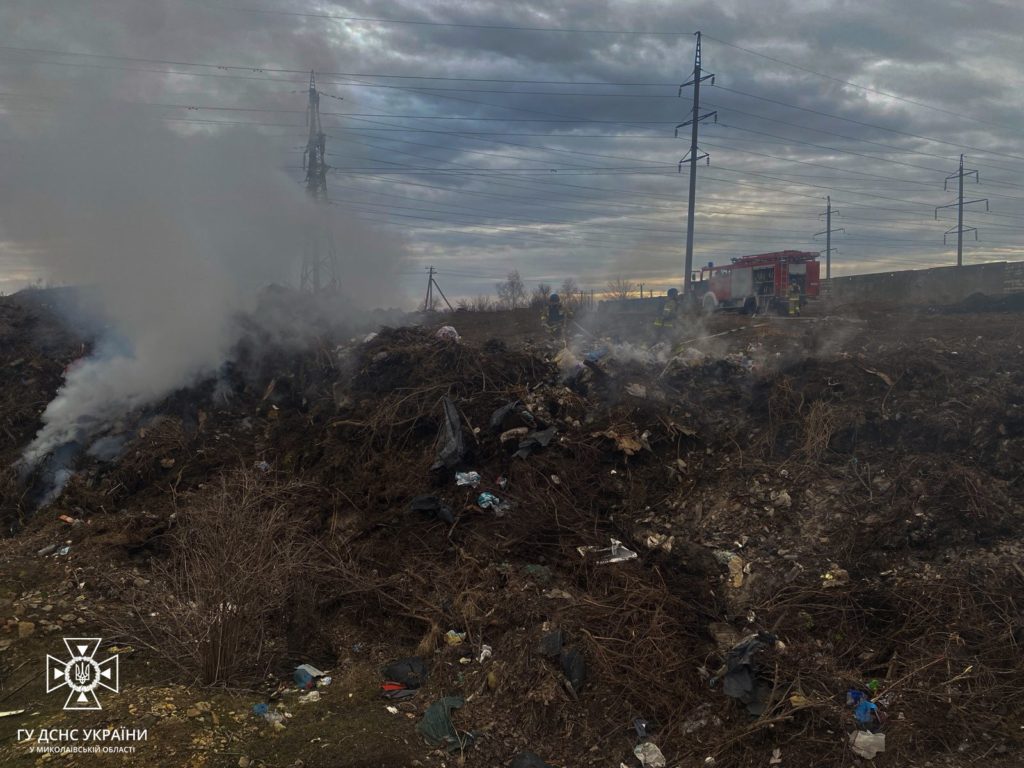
point(862, 123)
point(857, 85)
point(552, 93)
point(535, 148)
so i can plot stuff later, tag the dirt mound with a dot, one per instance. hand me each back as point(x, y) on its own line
point(861, 504)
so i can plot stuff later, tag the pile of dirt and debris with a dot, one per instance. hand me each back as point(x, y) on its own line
point(773, 543)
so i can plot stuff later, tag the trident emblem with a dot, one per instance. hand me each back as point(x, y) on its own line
point(82, 673)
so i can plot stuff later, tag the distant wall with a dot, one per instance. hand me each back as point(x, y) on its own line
point(941, 285)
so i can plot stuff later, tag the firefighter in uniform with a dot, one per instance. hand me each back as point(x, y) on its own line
point(669, 313)
point(794, 300)
point(554, 317)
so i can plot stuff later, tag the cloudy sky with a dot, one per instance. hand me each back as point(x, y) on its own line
point(491, 136)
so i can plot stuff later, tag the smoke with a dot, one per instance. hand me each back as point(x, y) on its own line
point(169, 237)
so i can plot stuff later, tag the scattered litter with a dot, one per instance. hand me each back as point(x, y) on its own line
point(49, 549)
point(649, 755)
point(550, 644)
point(866, 712)
point(488, 500)
point(511, 415)
point(535, 441)
point(735, 564)
point(867, 745)
point(262, 466)
point(433, 506)
point(486, 652)
point(274, 717)
point(438, 729)
point(742, 679)
point(369, 337)
point(453, 637)
point(574, 667)
point(403, 677)
point(306, 676)
point(451, 446)
point(63, 550)
point(391, 709)
point(637, 390)
point(389, 689)
point(776, 757)
point(627, 444)
point(835, 577)
point(324, 681)
point(309, 698)
point(596, 355)
point(616, 553)
point(799, 700)
point(467, 478)
point(516, 434)
point(528, 760)
point(883, 376)
point(12, 712)
point(447, 333)
point(69, 520)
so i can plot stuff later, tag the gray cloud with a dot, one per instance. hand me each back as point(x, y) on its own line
point(601, 195)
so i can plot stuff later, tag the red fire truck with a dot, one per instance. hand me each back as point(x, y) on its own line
point(758, 283)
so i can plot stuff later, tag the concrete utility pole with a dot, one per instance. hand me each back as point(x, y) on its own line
point(960, 203)
point(428, 303)
point(692, 157)
point(316, 265)
point(828, 235)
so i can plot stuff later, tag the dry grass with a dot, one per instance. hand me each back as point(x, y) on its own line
point(821, 422)
point(235, 560)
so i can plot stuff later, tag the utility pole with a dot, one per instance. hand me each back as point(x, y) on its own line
point(428, 302)
point(314, 264)
point(828, 235)
point(692, 157)
point(960, 203)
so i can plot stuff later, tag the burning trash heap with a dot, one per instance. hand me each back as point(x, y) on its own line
point(588, 557)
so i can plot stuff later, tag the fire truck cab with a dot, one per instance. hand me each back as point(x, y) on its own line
point(758, 283)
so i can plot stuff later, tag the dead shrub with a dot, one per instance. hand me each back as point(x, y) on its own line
point(820, 424)
point(235, 560)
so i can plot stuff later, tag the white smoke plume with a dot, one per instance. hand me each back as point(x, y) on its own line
point(169, 236)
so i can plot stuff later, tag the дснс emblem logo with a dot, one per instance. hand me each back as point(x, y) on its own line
point(82, 673)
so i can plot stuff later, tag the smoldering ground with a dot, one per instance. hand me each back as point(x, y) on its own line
point(169, 239)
